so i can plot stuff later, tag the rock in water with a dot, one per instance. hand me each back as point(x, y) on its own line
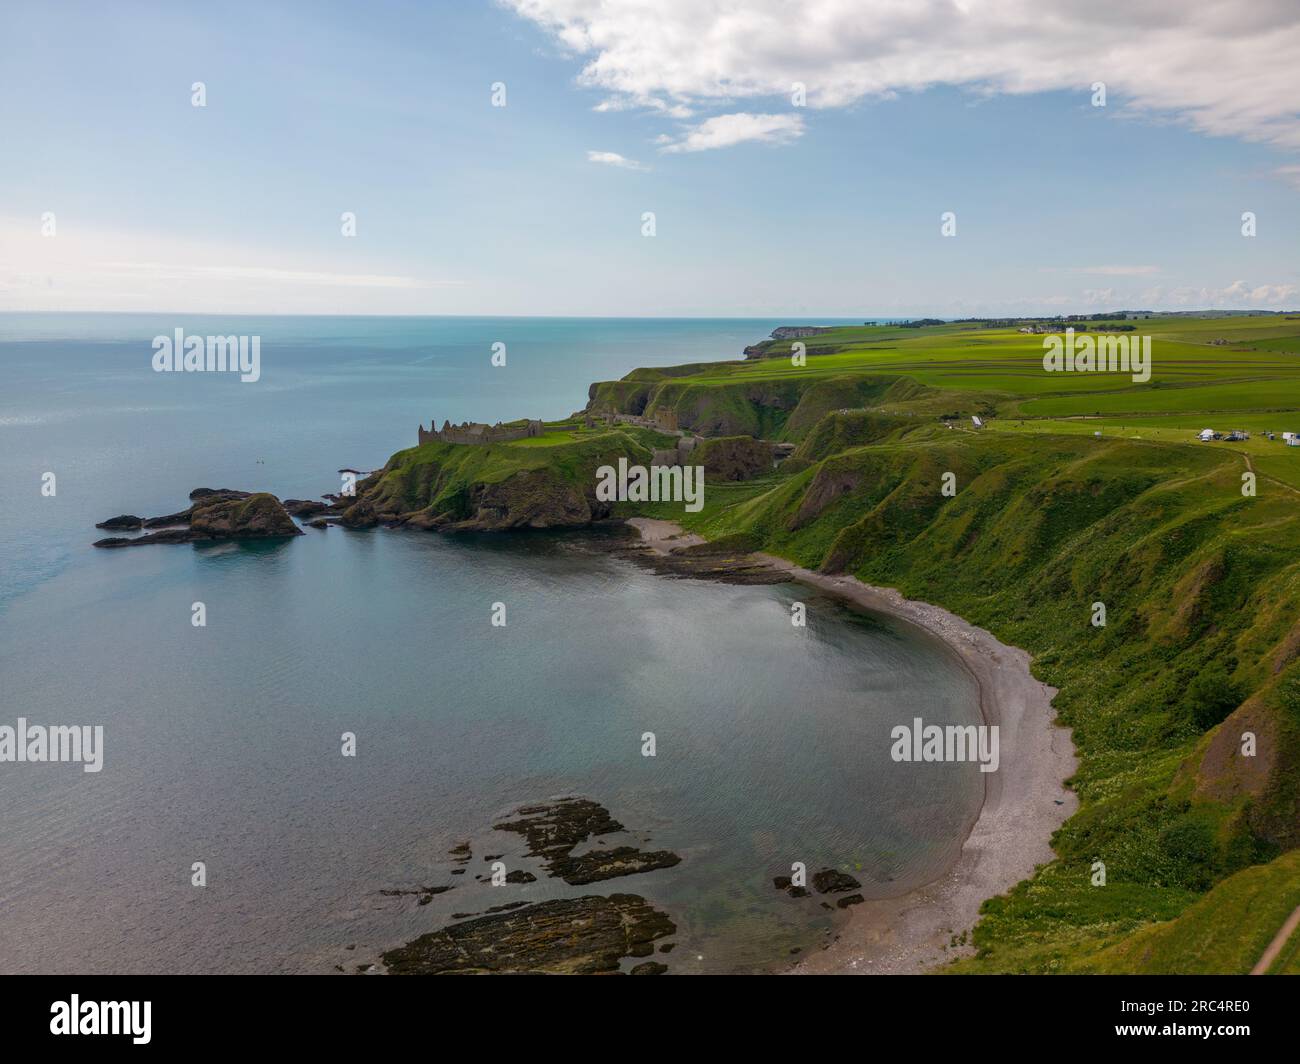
point(217, 515)
point(122, 523)
point(568, 936)
point(305, 507)
point(208, 495)
point(833, 881)
point(167, 535)
point(556, 829)
point(256, 517)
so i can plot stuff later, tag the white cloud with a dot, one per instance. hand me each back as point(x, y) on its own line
point(91, 268)
point(1290, 174)
point(612, 158)
point(1237, 296)
point(1120, 271)
point(722, 131)
point(268, 274)
point(1224, 69)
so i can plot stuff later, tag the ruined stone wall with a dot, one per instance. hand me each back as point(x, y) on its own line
point(471, 432)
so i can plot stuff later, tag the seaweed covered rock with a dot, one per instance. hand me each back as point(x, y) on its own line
point(553, 831)
point(567, 936)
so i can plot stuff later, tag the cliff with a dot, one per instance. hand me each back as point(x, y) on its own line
point(495, 487)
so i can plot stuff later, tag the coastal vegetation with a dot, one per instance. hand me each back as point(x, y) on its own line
point(1200, 582)
point(1074, 489)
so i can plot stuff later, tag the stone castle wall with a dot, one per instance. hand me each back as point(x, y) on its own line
point(662, 421)
point(471, 432)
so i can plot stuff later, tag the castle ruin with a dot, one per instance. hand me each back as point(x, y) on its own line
point(477, 432)
point(661, 421)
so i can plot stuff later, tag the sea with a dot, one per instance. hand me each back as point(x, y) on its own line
point(226, 830)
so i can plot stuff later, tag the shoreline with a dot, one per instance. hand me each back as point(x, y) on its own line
point(1025, 801)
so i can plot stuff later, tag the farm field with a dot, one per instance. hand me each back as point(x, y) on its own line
point(1226, 372)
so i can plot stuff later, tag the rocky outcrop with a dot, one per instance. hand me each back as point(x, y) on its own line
point(528, 499)
point(581, 935)
point(256, 517)
point(217, 515)
point(305, 507)
point(733, 458)
point(568, 936)
point(728, 560)
point(537, 498)
point(122, 523)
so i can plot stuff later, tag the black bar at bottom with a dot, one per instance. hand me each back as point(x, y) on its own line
point(366, 1012)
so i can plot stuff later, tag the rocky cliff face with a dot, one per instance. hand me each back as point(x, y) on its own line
point(492, 489)
point(534, 499)
point(733, 458)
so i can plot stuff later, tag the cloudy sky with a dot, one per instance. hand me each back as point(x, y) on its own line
point(797, 158)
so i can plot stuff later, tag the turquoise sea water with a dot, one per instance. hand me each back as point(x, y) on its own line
point(222, 743)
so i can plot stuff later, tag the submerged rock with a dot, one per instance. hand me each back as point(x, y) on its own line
point(571, 936)
point(424, 895)
point(833, 881)
point(555, 830)
point(730, 560)
point(169, 535)
point(596, 865)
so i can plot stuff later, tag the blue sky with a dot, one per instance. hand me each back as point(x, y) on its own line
point(384, 109)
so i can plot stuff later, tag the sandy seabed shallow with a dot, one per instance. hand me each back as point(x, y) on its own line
point(1025, 800)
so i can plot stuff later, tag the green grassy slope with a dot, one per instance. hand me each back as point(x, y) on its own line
point(1201, 588)
point(1201, 585)
point(1226, 931)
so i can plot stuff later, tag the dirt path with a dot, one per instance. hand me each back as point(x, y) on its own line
point(1279, 940)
